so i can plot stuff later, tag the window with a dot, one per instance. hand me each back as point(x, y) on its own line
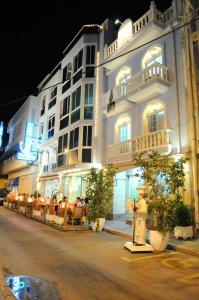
point(86, 155)
point(87, 142)
point(88, 113)
point(67, 71)
point(76, 96)
point(88, 94)
point(78, 61)
point(123, 133)
point(90, 55)
point(63, 143)
point(123, 82)
point(74, 138)
point(90, 61)
point(75, 116)
point(88, 101)
point(65, 107)
point(152, 56)
point(51, 125)
point(156, 121)
point(64, 123)
point(66, 86)
point(61, 160)
point(87, 136)
point(43, 105)
point(121, 79)
point(53, 95)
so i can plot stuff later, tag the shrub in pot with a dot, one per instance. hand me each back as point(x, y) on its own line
point(183, 227)
point(164, 178)
point(100, 194)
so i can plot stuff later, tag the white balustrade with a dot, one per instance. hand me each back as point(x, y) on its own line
point(149, 16)
point(147, 142)
point(154, 71)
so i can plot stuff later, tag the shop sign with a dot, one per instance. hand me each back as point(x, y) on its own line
point(27, 152)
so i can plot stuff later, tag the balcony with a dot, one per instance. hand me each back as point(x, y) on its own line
point(147, 84)
point(152, 16)
point(123, 152)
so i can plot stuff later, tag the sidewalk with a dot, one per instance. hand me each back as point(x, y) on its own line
point(124, 230)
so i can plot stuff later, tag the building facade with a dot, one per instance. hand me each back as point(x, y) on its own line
point(117, 91)
point(68, 125)
point(20, 157)
point(146, 98)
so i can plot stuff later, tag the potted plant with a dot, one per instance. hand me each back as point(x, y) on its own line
point(37, 205)
point(183, 227)
point(100, 195)
point(164, 178)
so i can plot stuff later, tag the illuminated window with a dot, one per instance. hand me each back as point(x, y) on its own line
point(153, 55)
point(121, 80)
point(124, 132)
point(156, 121)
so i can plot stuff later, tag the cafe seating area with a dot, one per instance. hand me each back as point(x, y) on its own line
point(62, 214)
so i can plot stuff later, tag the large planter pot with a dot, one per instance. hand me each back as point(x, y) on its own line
point(184, 232)
point(158, 240)
point(59, 220)
point(22, 209)
point(36, 213)
point(50, 218)
point(101, 224)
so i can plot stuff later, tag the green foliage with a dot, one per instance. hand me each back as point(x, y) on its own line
point(164, 179)
point(100, 192)
point(183, 216)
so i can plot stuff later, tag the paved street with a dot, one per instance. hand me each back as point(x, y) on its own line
point(86, 265)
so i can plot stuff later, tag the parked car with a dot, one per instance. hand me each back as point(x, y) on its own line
point(2, 196)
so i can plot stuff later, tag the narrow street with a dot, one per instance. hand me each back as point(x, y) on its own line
point(86, 265)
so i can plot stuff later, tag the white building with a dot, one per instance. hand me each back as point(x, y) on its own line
point(68, 126)
point(146, 97)
point(20, 157)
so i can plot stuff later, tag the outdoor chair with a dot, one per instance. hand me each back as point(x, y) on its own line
point(77, 214)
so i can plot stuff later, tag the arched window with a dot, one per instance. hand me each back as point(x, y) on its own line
point(153, 55)
point(154, 117)
point(123, 129)
point(122, 77)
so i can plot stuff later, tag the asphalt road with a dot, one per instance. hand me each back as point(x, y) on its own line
point(86, 265)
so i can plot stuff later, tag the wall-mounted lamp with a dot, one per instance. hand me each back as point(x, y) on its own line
point(117, 21)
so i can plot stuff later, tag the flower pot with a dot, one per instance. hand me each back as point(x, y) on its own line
point(50, 218)
point(59, 220)
point(184, 232)
point(22, 209)
point(36, 213)
point(101, 224)
point(158, 240)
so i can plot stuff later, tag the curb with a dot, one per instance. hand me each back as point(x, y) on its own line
point(170, 246)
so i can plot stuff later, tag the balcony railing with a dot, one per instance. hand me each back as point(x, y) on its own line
point(151, 141)
point(153, 14)
point(154, 71)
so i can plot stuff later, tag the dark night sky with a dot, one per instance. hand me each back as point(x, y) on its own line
point(33, 37)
